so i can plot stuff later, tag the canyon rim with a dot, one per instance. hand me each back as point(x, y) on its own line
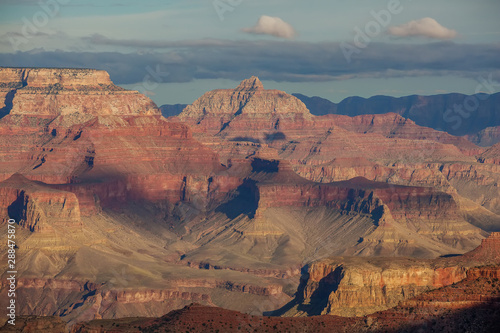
point(249, 166)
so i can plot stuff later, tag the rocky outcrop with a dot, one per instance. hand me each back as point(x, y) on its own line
point(53, 92)
point(37, 207)
point(356, 286)
point(485, 138)
point(76, 130)
point(360, 195)
point(362, 289)
point(393, 125)
point(488, 252)
point(492, 155)
point(402, 214)
point(470, 305)
point(246, 111)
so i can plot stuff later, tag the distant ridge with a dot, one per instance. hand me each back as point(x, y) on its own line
point(481, 128)
point(172, 110)
point(428, 111)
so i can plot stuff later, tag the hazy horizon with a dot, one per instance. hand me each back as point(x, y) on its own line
point(175, 51)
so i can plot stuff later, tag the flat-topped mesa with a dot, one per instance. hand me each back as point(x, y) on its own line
point(37, 206)
point(249, 106)
point(67, 78)
point(50, 92)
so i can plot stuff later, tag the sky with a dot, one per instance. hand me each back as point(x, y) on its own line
point(175, 50)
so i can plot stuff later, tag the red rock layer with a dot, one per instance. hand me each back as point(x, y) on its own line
point(485, 138)
point(249, 106)
point(76, 130)
point(492, 155)
point(37, 207)
point(362, 196)
point(392, 125)
point(359, 286)
point(382, 147)
point(470, 305)
point(51, 92)
point(488, 251)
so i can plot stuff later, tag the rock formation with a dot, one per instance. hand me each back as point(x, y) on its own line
point(246, 111)
point(469, 305)
point(486, 137)
point(361, 286)
point(37, 207)
point(88, 130)
point(48, 92)
point(122, 212)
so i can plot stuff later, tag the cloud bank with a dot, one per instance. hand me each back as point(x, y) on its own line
point(273, 26)
point(425, 27)
point(271, 60)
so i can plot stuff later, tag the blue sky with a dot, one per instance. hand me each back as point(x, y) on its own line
point(176, 50)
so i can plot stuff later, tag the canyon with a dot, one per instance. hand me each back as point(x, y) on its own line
point(455, 299)
point(245, 201)
point(353, 287)
point(471, 304)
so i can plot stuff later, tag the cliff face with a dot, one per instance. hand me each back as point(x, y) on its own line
point(357, 286)
point(404, 217)
point(486, 137)
point(106, 145)
point(39, 208)
point(472, 304)
point(363, 196)
point(246, 111)
point(52, 92)
point(251, 121)
point(356, 289)
point(492, 155)
point(132, 197)
point(469, 305)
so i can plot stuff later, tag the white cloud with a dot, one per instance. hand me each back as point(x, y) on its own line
point(425, 27)
point(273, 26)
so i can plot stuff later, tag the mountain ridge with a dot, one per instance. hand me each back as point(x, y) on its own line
point(483, 132)
point(428, 111)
